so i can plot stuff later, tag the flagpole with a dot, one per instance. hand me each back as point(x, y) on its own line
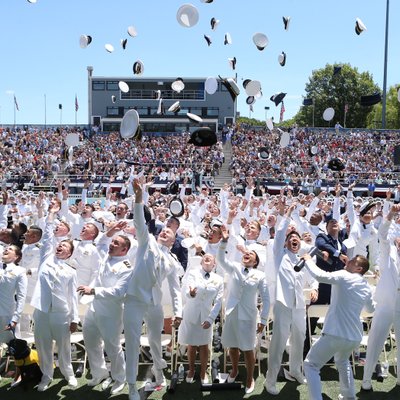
point(385, 67)
point(45, 112)
point(15, 113)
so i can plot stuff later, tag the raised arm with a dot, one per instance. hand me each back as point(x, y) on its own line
point(336, 203)
point(350, 206)
point(48, 235)
point(142, 233)
point(280, 235)
point(317, 273)
point(3, 210)
point(221, 256)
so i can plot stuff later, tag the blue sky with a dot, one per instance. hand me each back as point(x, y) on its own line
point(41, 54)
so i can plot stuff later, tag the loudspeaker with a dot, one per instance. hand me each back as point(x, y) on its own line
point(396, 155)
point(96, 121)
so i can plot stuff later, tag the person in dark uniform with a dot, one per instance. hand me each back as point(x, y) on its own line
point(177, 248)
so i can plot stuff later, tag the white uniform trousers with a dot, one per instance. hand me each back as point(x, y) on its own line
point(287, 321)
point(134, 312)
point(384, 317)
point(320, 353)
point(154, 319)
point(99, 331)
point(6, 336)
point(48, 327)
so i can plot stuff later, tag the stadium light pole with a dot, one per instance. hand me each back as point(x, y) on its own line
point(90, 74)
point(385, 67)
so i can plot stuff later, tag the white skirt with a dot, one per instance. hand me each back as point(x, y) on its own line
point(239, 333)
point(194, 334)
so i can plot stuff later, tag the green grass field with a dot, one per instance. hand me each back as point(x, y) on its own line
point(184, 391)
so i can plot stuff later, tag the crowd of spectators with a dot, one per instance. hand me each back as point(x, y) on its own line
point(368, 156)
point(35, 155)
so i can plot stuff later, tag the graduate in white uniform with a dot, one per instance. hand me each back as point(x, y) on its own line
point(13, 287)
point(86, 258)
point(241, 324)
point(342, 331)
point(363, 236)
point(387, 297)
point(290, 306)
point(143, 296)
point(31, 257)
point(103, 320)
point(56, 303)
point(203, 291)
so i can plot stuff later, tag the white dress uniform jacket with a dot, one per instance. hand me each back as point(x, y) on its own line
point(13, 286)
point(290, 284)
point(56, 303)
point(30, 261)
point(205, 306)
point(241, 304)
point(110, 283)
point(144, 296)
point(86, 260)
point(103, 320)
point(387, 297)
point(342, 331)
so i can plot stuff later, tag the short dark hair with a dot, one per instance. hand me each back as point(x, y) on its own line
point(127, 242)
point(37, 231)
point(91, 206)
point(331, 220)
point(292, 233)
point(363, 263)
point(96, 229)
point(173, 218)
point(71, 244)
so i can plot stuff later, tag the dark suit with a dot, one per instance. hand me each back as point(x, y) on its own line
point(327, 243)
point(180, 251)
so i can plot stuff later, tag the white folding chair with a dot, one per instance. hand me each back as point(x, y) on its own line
point(27, 328)
point(78, 341)
point(316, 311)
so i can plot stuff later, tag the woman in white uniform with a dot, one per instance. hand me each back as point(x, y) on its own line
point(56, 306)
point(239, 331)
point(13, 287)
point(203, 291)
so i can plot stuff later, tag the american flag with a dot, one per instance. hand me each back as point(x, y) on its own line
point(346, 108)
point(15, 102)
point(76, 104)
point(282, 112)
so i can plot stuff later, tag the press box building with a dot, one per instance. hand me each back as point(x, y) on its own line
point(108, 104)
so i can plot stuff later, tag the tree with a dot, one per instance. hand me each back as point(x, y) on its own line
point(336, 90)
point(250, 121)
point(374, 119)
